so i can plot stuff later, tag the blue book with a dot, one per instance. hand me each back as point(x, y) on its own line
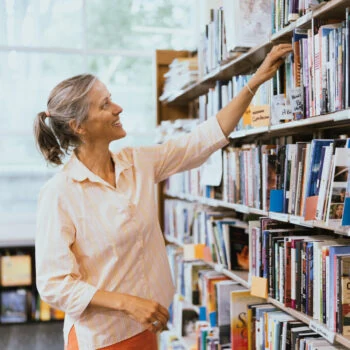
point(315, 158)
point(219, 225)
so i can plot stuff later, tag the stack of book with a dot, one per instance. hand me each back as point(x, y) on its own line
point(182, 73)
point(288, 11)
point(232, 29)
point(256, 115)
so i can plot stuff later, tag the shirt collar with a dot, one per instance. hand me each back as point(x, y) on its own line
point(79, 172)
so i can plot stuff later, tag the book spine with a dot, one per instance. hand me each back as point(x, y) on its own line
point(293, 275)
point(287, 285)
point(310, 270)
point(303, 279)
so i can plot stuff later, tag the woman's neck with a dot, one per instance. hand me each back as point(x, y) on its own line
point(98, 160)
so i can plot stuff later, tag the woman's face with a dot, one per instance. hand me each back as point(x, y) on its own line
point(103, 123)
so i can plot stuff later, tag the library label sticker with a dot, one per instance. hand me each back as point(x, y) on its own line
point(279, 216)
point(293, 219)
point(322, 330)
point(260, 115)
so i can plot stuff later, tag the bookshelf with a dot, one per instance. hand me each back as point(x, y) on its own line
point(245, 62)
point(318, 126)
point(20, 302)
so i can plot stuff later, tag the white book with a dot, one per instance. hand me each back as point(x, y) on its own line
point(224, 96)
point(225, 175)
point(264, 180)
point(292, 153)
point(306, 171)
point(250, 166)
point(317, 91)
point(281, 273)
point(252, 245)
point(247, 23)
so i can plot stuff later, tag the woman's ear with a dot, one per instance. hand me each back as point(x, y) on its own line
point(77, 129)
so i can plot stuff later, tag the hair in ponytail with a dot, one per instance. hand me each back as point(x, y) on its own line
point(67, 101)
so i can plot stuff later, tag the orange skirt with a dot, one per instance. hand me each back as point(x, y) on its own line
point(146, 340)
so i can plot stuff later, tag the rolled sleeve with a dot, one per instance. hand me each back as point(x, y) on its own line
point(188, 151)
point(58, 278)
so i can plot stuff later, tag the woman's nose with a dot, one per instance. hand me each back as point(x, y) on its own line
point(117, 109)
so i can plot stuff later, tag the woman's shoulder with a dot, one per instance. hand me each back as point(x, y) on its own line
point(57, 184)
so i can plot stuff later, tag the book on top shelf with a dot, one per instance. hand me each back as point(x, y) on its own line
point(247, 23)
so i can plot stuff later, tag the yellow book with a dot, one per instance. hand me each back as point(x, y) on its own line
point(16, 270)
point(45, 314)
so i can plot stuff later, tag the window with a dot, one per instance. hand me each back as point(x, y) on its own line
point(45, 41)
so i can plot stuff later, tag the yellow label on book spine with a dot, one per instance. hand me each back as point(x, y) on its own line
point(259, 287)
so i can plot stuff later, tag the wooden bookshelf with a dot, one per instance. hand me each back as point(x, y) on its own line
point(162, 60)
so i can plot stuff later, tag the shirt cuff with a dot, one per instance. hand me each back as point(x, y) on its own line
point(83, 301)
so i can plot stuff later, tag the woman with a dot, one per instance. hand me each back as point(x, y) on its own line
point(100, 254)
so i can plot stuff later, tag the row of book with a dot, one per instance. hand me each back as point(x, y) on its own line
point(285, 12)
point(304, 270)
point(258, 113)
point(217, 313)
point(21, 305)
point(183, 71)
point(225, 236)
point(308, 179)
point(232, 29)
point(314, 80)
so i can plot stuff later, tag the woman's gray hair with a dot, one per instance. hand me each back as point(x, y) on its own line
point(67, 101)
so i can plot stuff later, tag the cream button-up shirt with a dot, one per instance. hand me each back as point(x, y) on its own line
point(93, 236)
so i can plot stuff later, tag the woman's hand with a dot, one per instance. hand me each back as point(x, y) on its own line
point(270, 64)
point(147, 312)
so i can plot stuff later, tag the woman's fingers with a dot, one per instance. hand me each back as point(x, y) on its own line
point(280, 52)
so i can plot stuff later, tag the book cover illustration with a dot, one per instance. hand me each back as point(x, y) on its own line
point(238, 313)
point(337, 194)
point(14, 306)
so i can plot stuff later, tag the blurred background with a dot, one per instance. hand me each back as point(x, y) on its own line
point(43, 42)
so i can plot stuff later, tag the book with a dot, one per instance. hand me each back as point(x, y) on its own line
point(15, 306)
point(338, 186)
point(16, 270)
point(238, 316)
point(223, 291)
